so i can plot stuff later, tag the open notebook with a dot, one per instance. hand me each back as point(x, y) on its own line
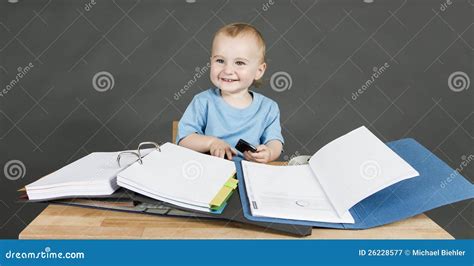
point(339, 175)
point(182, 177)
point(92, 175)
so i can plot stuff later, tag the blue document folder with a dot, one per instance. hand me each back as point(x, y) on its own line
point(437, 185)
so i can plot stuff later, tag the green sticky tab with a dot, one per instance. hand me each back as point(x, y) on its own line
point(231, 184)
point(224, 193)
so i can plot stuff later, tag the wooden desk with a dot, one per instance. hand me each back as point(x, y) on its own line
point(68, 222)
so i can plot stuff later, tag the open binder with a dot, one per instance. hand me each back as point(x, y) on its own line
point(399, 201)
point(94, 175)
point(339, 175)
point(180, 176)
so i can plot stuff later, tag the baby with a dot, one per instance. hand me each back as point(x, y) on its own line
point(217, 118)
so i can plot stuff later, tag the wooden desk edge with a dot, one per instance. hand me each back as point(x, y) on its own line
point(68, 222)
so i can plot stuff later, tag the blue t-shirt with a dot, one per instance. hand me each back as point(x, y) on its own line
point(208, 114)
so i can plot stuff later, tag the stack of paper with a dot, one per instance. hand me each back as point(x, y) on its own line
point(182, 177)
point(92, 175)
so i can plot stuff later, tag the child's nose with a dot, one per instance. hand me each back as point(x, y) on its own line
point(228, 69)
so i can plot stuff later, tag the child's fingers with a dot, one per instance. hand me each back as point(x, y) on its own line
point(248, 157)
point(265, 158)
point(261, 148)
point(257, 155)
point(213, 152)
point(234, 151)
point(228, 152)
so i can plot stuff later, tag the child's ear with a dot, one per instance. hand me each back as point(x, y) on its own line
point(261, 70)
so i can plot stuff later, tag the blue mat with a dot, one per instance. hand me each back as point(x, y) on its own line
point(437, 185)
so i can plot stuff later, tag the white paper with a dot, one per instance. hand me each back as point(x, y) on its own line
point(131, 186)
point(288, 192)
point(355, 166)
point(179, 174)
point(91, 175)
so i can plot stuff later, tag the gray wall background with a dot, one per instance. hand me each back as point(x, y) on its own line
point(53, 115)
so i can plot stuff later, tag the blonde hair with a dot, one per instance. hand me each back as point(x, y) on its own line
point(236, 29)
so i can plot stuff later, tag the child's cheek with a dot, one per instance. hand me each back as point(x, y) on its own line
point(214, 73)
point(247, 74)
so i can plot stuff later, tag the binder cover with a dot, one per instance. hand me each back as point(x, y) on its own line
point(437, 185)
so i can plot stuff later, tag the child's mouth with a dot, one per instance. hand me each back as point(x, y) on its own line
point(228, 80)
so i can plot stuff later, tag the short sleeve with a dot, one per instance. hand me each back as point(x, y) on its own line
point(272, 130)
point(193, 120)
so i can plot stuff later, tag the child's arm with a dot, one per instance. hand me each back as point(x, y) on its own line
point(213, 145)
point(276, 147)
point(265, 153)
point(197, 142)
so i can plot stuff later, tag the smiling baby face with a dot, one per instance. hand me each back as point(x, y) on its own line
point(237, 61)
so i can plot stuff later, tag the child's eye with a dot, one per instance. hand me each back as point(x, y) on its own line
point(220, 61)
point(240, 63)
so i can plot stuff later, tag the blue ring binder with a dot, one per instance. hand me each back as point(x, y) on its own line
point(404, 199)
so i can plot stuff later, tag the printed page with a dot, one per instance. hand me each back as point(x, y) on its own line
point(288, 192)
point(355, 166)
point(179, 174)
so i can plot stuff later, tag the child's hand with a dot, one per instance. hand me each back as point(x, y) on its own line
point(220, 148)
point(263, 154)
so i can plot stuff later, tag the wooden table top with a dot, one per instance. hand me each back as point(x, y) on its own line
point(68, 222)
